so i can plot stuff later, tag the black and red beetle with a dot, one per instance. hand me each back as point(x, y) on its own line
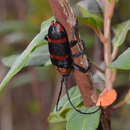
point(61, 57)
point(59, 47)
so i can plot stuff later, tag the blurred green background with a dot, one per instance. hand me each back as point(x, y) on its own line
point(31, 94)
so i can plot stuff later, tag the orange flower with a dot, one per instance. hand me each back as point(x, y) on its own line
point(106, 98)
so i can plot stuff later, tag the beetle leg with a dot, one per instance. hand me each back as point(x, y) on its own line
point(73, 43)
point(83, 70)
point(80, 52)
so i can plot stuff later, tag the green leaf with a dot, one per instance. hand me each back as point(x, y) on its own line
point(75, 97)
point(100, 4)
point(93, 20)
point(122, 62)
point(88, 21)
point(90, 5)
point(58, 116)
point(77, 121)
point(45, 23)
point(57, 126)
point(8, 61)
point(38, 57)
point(120, 31)
point(22, 59)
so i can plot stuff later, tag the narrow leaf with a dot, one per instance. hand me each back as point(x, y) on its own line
point(75, 97)
point(57, 116)
point(45, 23)
point(100, 4)
point(120, 31)
point(38, 57)
point(90, 5)
point(88, 21)
point(123, 61)
point(90, 18)
point(22, 59)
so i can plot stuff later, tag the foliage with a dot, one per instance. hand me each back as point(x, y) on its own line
point(120, 31)
point(36, 54)
point(122, 62)
point(75, 120)
point(22, 59)
point(38, 57)
point(90, 19)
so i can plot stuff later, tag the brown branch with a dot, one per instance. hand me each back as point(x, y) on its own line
point(65, 15)
point(105, 119)
point(121, 103)
point(100, 35)
point(98, 68)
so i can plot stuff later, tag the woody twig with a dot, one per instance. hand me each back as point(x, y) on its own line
point(65, 15)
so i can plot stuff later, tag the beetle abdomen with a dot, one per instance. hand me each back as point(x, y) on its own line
point(59, 46)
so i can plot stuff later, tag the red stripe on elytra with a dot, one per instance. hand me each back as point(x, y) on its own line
point(59, 57)
point(63, 40)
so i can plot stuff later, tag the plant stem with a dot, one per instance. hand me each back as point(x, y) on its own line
point(65, 15)
point(108, 13)
point(98, 68)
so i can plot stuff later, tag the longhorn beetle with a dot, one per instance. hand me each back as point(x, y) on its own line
point(60, 55)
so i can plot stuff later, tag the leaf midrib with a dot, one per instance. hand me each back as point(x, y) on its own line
point(121, 32)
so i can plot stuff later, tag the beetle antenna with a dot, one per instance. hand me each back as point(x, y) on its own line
point(68, 96)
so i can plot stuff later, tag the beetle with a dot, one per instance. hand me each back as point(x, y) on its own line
point(61, 57)
point(59, 47)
